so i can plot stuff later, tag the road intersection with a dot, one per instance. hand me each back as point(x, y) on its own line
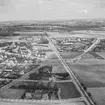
point(78, 58)
point(84, 95)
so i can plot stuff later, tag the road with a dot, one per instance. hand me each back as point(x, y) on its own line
point(27, 80)
point(77, 59)
point(18, 80)
point(84, 95)
point(73, 77)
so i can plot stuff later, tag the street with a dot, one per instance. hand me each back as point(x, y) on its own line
point(73, 77)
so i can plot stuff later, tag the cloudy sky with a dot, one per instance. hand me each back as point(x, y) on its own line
point(51, 9)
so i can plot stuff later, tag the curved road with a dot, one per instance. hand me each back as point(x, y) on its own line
point(78, 58)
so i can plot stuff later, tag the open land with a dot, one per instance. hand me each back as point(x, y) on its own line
point(89, 65)
point(53, 63)
point(31, 66)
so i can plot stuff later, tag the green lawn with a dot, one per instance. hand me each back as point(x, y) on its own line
point(88, 56)
point(92, 75)
point(57, 66)
point(68, 90)
point(70, 55)
point(102, 54)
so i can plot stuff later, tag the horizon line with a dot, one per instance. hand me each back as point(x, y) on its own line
point(53, 20)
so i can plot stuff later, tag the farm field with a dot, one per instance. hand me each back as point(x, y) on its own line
point(89, 70)
point(98, 94)
point(70, 55)
point(57, 66)
point(68, 90)
point(92, 75)
point(102, 54)
point(87, 56)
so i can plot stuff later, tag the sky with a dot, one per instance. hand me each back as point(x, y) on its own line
point(51, 9)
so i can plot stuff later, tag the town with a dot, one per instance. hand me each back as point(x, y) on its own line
point(22, 63)
point(36, 66)
point(17, 58)
point(73, 43)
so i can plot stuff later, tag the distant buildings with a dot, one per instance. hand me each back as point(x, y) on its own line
point(72, 43)
point(17, 57)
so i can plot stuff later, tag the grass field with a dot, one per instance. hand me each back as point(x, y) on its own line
point(88, 56)
point(51, 55)
point(68, 90)
point(92, 75)
point(70, 55)
point(98, 95)
point(91, 61)
point(4, 44)
point(102, 54)
point(57, 66)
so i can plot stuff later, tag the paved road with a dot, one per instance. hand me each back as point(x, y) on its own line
point(68, 69)
point(42, 102)
point(73, 77)
point(77, 59)
point(27, 80)
point(21, 78)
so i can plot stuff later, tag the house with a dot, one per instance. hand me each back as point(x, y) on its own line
point(45, 97)
point(22, 72)
point(28, 95)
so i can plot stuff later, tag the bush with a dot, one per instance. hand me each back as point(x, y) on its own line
point(89, 94)
point(84, 87)
point(82, 84)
